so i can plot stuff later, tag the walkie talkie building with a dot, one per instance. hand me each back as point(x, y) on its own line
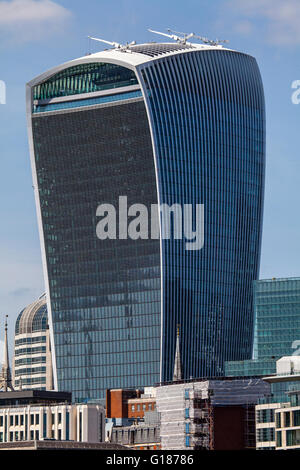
point(160, 124)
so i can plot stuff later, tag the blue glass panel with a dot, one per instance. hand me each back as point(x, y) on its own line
point(85, 102)
point(208, 118)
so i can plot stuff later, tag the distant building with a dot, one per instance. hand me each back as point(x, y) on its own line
point(37, 415)
point(132, 419)
point(131, 404)
point(276, 329)
point(33, 361)
point(278, 422)
point(209, 414)
point(144, 435)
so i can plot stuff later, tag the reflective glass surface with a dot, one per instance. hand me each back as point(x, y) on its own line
point(41, 108)
point(105, 294)
point(208, 118)
point(277, 326)
point(84, 78)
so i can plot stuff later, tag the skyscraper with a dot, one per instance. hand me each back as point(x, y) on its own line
point(153, 124)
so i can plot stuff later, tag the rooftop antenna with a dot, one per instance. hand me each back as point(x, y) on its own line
point(184, 36)
point(116, 45)
point(211, 42)
point(181, 39)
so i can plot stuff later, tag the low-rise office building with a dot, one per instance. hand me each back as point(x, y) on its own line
point(130, 403)
point(144, 435)
point(132, 419)
point(45, 417)
point(278, 422)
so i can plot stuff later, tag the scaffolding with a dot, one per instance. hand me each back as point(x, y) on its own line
point(249, 428)
point(188, 410)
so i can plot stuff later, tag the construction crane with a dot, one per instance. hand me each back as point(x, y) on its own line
point(211, 42)
point(181, 39)
point(116, 45)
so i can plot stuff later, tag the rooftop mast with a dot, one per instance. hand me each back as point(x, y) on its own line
point(5, 377)
point(116, 45)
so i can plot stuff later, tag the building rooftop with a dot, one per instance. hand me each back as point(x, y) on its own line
point(33, 397)
point(59, 445)
point(130, 57)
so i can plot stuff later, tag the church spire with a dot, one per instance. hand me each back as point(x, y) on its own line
point(5, 377)
point(177, 364)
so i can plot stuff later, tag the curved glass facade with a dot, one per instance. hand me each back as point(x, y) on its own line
point(105, 294)
point(208, 119)
point(84, 78)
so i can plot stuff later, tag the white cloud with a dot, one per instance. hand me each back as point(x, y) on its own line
point(280, 18)
point(28, 20)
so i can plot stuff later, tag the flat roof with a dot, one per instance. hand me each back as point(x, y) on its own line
point(20, 396)
point(60, 445)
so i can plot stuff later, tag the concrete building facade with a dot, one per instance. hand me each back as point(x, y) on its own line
point(278, 422)
point(62, 422)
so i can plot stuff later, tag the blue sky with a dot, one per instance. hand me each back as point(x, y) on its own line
point(36, 35)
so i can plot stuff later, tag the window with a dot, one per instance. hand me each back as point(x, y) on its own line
point(293, 437)
point(132, 408)
point(44, 424)
point(17, 420)
point(278, 420)
point(287, 419)
point(278, 439)
point(144, 407)
point(266, 434)
point(68, 426)
point(11, 421)
point(37, 419)
point(296, 418)
point(265, 416)
point(31, 419)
